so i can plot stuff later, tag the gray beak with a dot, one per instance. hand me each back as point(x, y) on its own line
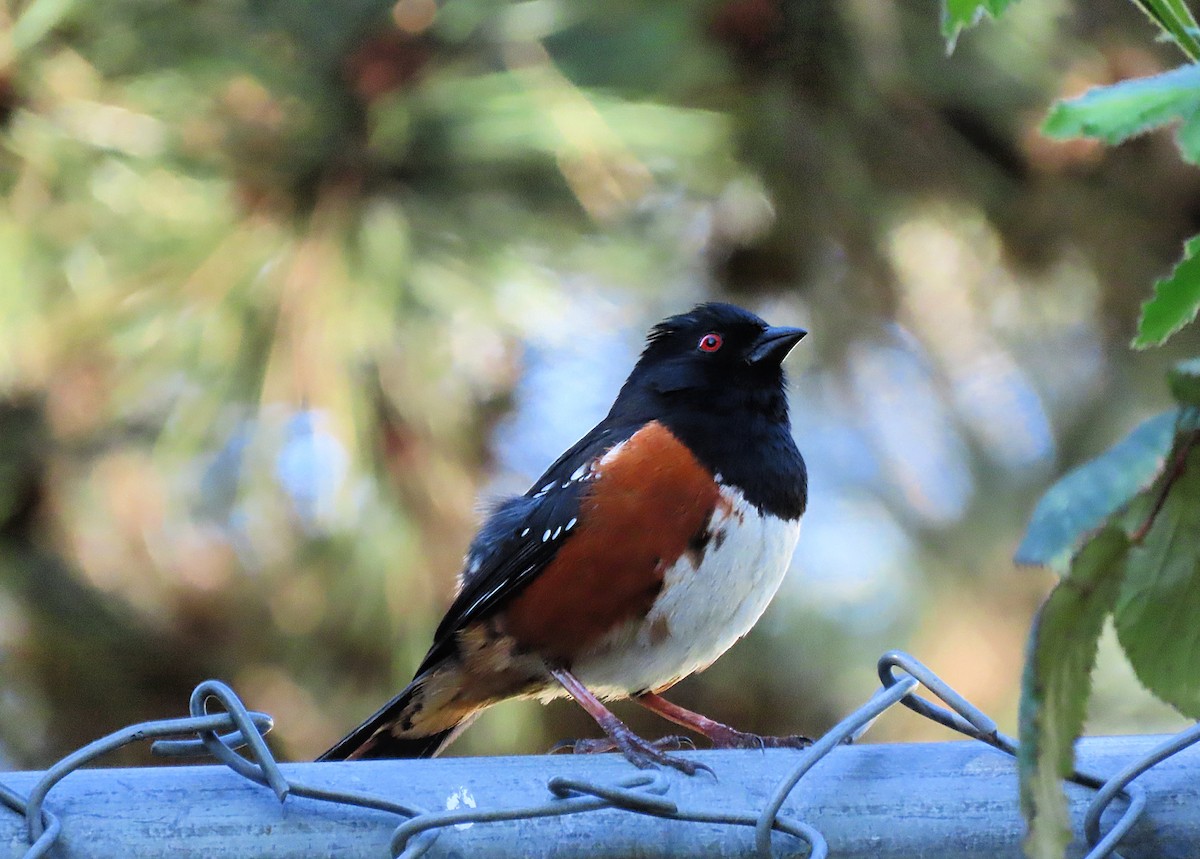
point(773, 345)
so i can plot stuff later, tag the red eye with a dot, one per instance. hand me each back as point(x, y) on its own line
point(710, 342)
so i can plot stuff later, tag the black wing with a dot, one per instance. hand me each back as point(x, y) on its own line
point(521, 536)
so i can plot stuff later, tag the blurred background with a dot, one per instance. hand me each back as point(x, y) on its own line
point(289, 291)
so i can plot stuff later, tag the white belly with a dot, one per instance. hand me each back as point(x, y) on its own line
point(701, 611)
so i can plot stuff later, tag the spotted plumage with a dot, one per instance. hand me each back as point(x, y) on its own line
point(640, 556)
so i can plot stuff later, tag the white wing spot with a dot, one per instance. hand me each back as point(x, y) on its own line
point(571, 524)
point(546, 536)
point(525, 533)
point(557, 531)
point(581, 472)
point(613, 453)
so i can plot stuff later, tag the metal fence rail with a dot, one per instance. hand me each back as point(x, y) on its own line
point(929, 800)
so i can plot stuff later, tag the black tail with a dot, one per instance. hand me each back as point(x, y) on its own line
point(374, 739)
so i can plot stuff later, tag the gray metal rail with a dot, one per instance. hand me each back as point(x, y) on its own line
point(1138, 794)
point(905, 800)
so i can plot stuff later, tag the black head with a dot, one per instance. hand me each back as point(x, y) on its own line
point(713, 376)
point(718, 357)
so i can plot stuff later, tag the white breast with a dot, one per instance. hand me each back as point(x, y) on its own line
point(702, 610)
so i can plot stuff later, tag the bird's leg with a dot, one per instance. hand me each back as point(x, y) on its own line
point(722, 736)
point(637, 751)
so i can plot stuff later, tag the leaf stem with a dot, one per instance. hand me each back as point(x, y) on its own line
point(1174, 472)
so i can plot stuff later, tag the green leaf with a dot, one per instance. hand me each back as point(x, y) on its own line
point(1159, 603)
point(1056, 685)
point(1175, 301)
point(1184, 381)
point(1082, 500)
point(959, 15)
point(1175, 19)
point(1120, 111)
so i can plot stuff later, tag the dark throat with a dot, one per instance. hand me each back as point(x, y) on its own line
point(749, 444)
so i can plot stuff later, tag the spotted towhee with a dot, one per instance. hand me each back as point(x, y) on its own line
point(638, 558)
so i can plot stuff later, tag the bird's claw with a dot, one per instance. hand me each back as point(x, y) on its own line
point(741, 740)
point(600, 745)
point(643, 754)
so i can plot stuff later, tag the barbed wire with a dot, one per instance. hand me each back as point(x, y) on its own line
point(221, 735)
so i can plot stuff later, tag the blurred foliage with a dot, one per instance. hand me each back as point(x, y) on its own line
point(279, 275)
point(1123, 530)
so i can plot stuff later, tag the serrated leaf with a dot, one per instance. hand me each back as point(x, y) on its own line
point(1175, 302)
point(1056, 684)
point(959, 15)
point(1120, 111)
point(1082, 500)
point(1158, 607)
point(1184, 382)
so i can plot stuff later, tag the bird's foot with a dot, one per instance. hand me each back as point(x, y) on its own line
point(600, 745)
point(639, 752)
point(728, 738)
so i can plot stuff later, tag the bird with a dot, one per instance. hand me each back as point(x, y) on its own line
point(641, 555)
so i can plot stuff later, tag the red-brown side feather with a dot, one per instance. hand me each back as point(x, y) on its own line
point(646, 502)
